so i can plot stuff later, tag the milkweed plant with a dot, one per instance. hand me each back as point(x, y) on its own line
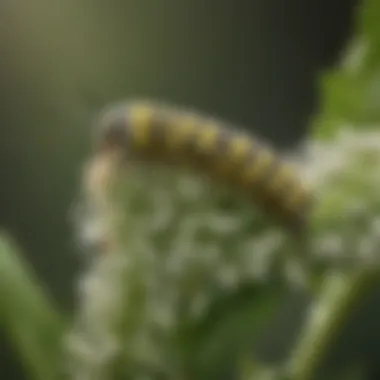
point(165, 250)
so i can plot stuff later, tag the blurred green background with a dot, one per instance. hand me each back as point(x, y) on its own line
point(255, 62)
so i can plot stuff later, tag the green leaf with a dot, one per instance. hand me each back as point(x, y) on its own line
point(33, 324)
point(350, 92)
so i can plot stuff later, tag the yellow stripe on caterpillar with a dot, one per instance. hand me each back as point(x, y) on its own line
point(283, 176)
point(140, 124)
point(239, 147)
point(207, 137)
point(259, 166)
point(179, 129)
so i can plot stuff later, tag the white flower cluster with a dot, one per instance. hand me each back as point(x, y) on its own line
point(166, 243)
point(345, 175)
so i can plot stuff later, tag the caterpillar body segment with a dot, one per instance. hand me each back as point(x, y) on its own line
point(146, 131)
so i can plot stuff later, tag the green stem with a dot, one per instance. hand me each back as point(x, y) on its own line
point(339, 294)
point(28, 317)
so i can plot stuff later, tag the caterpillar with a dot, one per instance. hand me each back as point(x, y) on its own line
point(159, 133)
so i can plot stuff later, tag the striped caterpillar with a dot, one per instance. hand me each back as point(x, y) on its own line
point(151, 132)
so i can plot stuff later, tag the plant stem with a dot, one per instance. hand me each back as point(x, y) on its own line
point(339, 294)
point(28, 317)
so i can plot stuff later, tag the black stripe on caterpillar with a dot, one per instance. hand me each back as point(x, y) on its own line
point(148, 131)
